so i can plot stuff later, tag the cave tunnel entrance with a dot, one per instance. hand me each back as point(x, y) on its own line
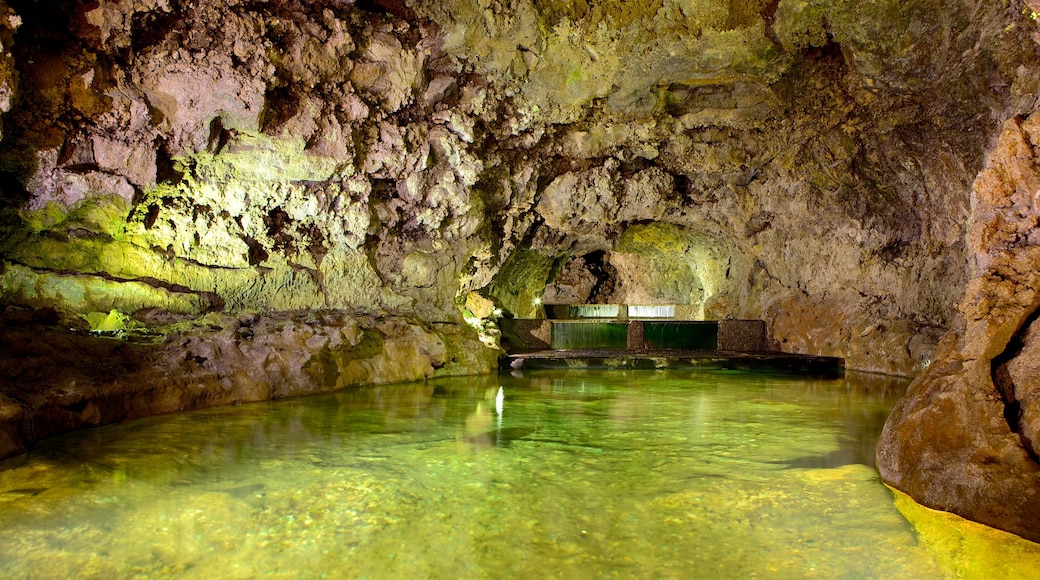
point(651, 264)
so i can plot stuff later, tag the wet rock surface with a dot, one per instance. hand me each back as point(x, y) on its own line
point(57, 381)
point(963, 438)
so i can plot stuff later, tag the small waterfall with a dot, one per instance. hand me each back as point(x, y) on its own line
point(682, 335)
point(594, 310)
point(652, 311)
point(589, 334)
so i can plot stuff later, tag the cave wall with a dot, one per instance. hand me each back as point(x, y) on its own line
point(965, 436)
point(384, 156)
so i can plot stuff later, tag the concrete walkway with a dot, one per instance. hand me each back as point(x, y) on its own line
point(809, 365)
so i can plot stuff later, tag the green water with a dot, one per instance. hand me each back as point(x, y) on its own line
point(580, 474)
point(682, 335)
point(582, 334)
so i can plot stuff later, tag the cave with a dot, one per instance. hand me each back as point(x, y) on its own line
point(209, 204)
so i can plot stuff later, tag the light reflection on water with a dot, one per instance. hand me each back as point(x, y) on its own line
point(568, 474)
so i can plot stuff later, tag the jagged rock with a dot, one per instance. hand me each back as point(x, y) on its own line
point(9, 23)
point(962, 438)
point(574, 284)
point(376, 162)
point(56, 381)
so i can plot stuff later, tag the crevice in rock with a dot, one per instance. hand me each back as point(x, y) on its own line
point(397, 8)
point(372, 245)
point(257, 254)
point(891, 251)
point(73, 233)
point(281, 103)
point(316, 276)
point(1005, 385)
point(148, 29)
point(634, 166)
point(151, 216)
point(219, 137)
point(277, 222)
point(606, 277)
point(13, 191)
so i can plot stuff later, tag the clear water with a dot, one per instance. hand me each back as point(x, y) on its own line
point(578, 474)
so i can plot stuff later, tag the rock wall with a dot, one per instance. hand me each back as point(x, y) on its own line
point(809, 161)
point(56, 381)
point(965, 436)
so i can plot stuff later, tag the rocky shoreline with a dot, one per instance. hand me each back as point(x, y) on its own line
point(57, 380)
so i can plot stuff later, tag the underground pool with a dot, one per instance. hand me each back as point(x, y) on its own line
point(554, 474)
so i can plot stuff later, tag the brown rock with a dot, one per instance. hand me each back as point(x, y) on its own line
point(55, 381)
point(12, 416)
point(963, 439)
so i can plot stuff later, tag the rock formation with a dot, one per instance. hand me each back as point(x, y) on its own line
point(964, 438)
point(171, 169)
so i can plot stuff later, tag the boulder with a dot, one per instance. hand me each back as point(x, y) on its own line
point(963, 437)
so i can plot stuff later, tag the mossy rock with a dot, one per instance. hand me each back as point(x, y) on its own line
point(521, 281)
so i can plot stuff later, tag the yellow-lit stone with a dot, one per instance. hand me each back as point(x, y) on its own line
point(967, 549)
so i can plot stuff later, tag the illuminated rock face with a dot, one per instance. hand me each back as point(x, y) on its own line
point(60, 381)
point(965, 436)
point(809, 163)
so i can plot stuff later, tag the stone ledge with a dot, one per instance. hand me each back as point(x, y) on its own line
point(815, 366)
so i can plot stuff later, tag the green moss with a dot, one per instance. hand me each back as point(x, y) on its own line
point(655, 238)
point(465, 354)
point(345, 278)
point(51, 214)
point(573, 79)
point(219, 214)
point(88, 255)
point(101, 214)
point(521, 281)
point(369, 345)
point(663, 263)
point(104, 214)
point(660, 264)
point(83, 294)
point(800, 24)
point(328, 365)
point(113, 321)
point(208, 232)
point(257, 157)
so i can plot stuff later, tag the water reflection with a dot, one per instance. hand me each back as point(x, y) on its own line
point(562, 474)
